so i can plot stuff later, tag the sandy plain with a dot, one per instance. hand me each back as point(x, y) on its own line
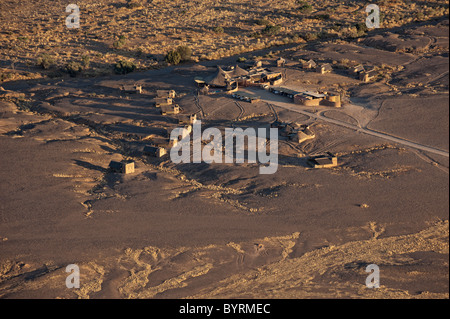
point(223, 230)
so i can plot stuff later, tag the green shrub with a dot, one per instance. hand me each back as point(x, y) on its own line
point(124, 67)
point(86, 61)
point(361, 29)
point(322, 16)
point(45, 60)
point(131, 4)
point(271, 30)
point(119, 43)
point(185, 52)
point(218, 30)
point(263, 22)
point(305, 7)
point(310, 36)
point(173, 57)
point(73, 68)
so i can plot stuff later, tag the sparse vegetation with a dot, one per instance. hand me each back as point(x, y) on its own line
point(324, 16)
point(160, 27)
point(181, 54)
point(124, 67)
point(120, 42)
point(218, 30)
point(86, 61)
point(46, 61)
point(132, 4)
point(73, 68)
point(271, 30)
point(304, 7)
point(263, 22)
point(310, 36)
point(185, 52)
point(173, 57)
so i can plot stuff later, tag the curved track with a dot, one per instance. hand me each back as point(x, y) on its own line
point(365, 130)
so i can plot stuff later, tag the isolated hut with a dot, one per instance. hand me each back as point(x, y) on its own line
point(154, 151)
point(357, 69)
point(132, 88)
point(367, 76)
point(323, 161)
point(309, 64)
point(281, 62)
point(125, 167)
point(324, 68)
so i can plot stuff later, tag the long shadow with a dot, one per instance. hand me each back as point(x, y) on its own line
point(90, 166)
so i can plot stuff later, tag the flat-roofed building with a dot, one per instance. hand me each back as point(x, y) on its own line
point(309, 64)
point(355, 70)
point(166, 93)
point(124, 167)
point(162, 100)
point(154, 151)
point(132, 88)
point(324, 68)
point(187, 118)
point(367, 76)
point(323, 161)
point(281, 62)
point(169, 109)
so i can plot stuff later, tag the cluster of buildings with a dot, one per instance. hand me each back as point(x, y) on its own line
point(158, 147)
point(309, 98)
point(232, 77)
point(295, 132)
point(359, 71)
point(164, 101)
point(363, 74)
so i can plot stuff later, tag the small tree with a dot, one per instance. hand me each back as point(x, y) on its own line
point(185, 52)
point(119, 43)
point(46, 61)
point(124, 67)
point(173, 57)
point(218, 30)
point(86, 60)
point(73, 68)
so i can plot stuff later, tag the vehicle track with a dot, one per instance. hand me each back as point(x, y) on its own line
point(367, 131)
point(241, 108)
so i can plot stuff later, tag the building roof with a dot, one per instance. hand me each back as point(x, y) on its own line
point(238, 71)
point(284, 90)
point(246, 94)
point(168, 107)
point(220, 78)
point(327, 67)
point(164, 93)
point(314, 94)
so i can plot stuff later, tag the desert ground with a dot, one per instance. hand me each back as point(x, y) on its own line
point(198, 230)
